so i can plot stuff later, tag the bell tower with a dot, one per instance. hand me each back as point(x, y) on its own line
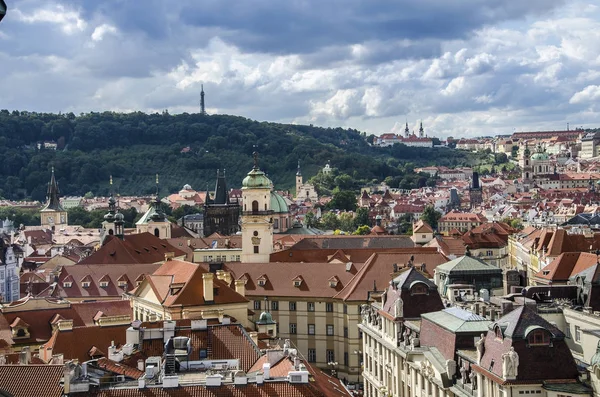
point(298, 180)
point(53, 214)
point(526, 167)
point(257, 216)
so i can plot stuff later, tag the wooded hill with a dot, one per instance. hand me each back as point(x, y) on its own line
point(134, 147)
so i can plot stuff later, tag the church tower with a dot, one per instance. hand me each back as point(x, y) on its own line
point(421, 131)
point(298, 180)
point(526, 169)
point(53, 214)
point(154, 220)
point(406, 131)
point(257, 224)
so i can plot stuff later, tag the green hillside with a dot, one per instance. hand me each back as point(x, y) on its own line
point(134, 147)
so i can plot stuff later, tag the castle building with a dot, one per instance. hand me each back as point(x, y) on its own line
point(53, 214)
point(220, 214)
point(257, 224)
point(305, 191)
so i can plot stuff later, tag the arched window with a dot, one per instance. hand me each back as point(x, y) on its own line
point(538, 337)
point(110, 232)
point(265, 206)
point(156, 232)
point(418, 289)
point(498, 333)
point(255, 206)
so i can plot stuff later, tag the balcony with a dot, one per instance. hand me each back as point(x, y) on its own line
point(257, 213)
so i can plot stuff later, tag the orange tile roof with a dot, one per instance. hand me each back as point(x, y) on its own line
point(134, 248)
point(31, 380)
point(566, 265)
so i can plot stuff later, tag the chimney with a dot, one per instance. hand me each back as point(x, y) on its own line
point(140, 365)
point(254, 336)
point(207, 284)
point(240, 287)
point(267, 370)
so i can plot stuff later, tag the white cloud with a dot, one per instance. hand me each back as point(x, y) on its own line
point(70, 21)
point(102, 30)
point(588, 94)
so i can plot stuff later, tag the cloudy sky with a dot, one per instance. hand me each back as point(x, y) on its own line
point(465, 67)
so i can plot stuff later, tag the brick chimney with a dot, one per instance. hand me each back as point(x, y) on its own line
point(207, 284)
point(240, 287)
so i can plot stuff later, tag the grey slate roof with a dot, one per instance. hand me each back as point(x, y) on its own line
point(517, 324)
point(467, 265)
point(458, 320)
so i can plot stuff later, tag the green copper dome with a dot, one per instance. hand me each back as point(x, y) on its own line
point(278, 204)
point(256, 179)
point(265, 318)
point(539, 156)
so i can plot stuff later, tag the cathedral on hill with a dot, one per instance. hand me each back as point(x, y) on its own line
point(220, 214)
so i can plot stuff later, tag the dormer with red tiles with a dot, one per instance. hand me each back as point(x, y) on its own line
point(19, 329)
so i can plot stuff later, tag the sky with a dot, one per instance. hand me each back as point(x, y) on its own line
point(463, 67)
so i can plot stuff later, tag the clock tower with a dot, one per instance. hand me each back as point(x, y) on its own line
point(257, 216)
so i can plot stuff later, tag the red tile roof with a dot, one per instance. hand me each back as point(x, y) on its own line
point(134, 248)
point(31, 380)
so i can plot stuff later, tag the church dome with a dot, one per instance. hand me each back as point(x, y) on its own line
point(256, 179)
point(540, 156)
point(187, 187)
point(265, 318)
point(109, 217)
point(119, 217)
point(278, 204)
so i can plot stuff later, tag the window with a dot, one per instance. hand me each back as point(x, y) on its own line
point(311, 306)
point(345, 332)
point(345, 359)
point(255, 206)
point(423, 236)
point(256, 305)
point(256, 249)
point(203, 354)
point(360, 334)
point(67, 284)
point(329, 330)
point(275, 305)
point(292, 328)
point(312, 355)
point(292, 306)
point(330, 356)
point(577, 334)
point(419, 289)
point(489, 253)
point(104, 284)
point(568, 330)
point(345, 308)
point(499, 333)
point(311, 329)
point(85, 284)
point(539, 337)
point(329, 307)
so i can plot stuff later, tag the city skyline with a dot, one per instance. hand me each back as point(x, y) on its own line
point(470, 69)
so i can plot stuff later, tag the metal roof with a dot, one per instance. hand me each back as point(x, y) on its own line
point(467, 265)
point(458, 320)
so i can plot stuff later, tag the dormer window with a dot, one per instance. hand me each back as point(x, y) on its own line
point(85, 284)
point(67, 284)
point(122, 284)
point(418, 289)
point(333, 282)
point(103, 284)
point(298, 281)
point(498, 333)
point(262, 281)
point(539, 337)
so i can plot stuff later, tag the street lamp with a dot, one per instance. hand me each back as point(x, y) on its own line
point(333, 365)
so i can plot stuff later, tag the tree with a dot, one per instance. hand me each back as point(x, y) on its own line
point(310, 220)
point(330, 221)
point(343, 200)
point(500, 158)
point(361, 218)
point(431, 216)
point(346, 221)
point(362, 230)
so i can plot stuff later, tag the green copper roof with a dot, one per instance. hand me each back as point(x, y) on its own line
point(152, 215)
point(278, 204)
point(265, 318)
point(467, 265)
point(256, 179)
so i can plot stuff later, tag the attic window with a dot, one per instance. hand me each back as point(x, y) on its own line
point(545, 272)
point(333, 283)
point(418, 289)
point(122, 284)
point(67, 284)
point(103, 284)
point(297, 283)
point(85, 284)
point(538, 337)
point(262, 282)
